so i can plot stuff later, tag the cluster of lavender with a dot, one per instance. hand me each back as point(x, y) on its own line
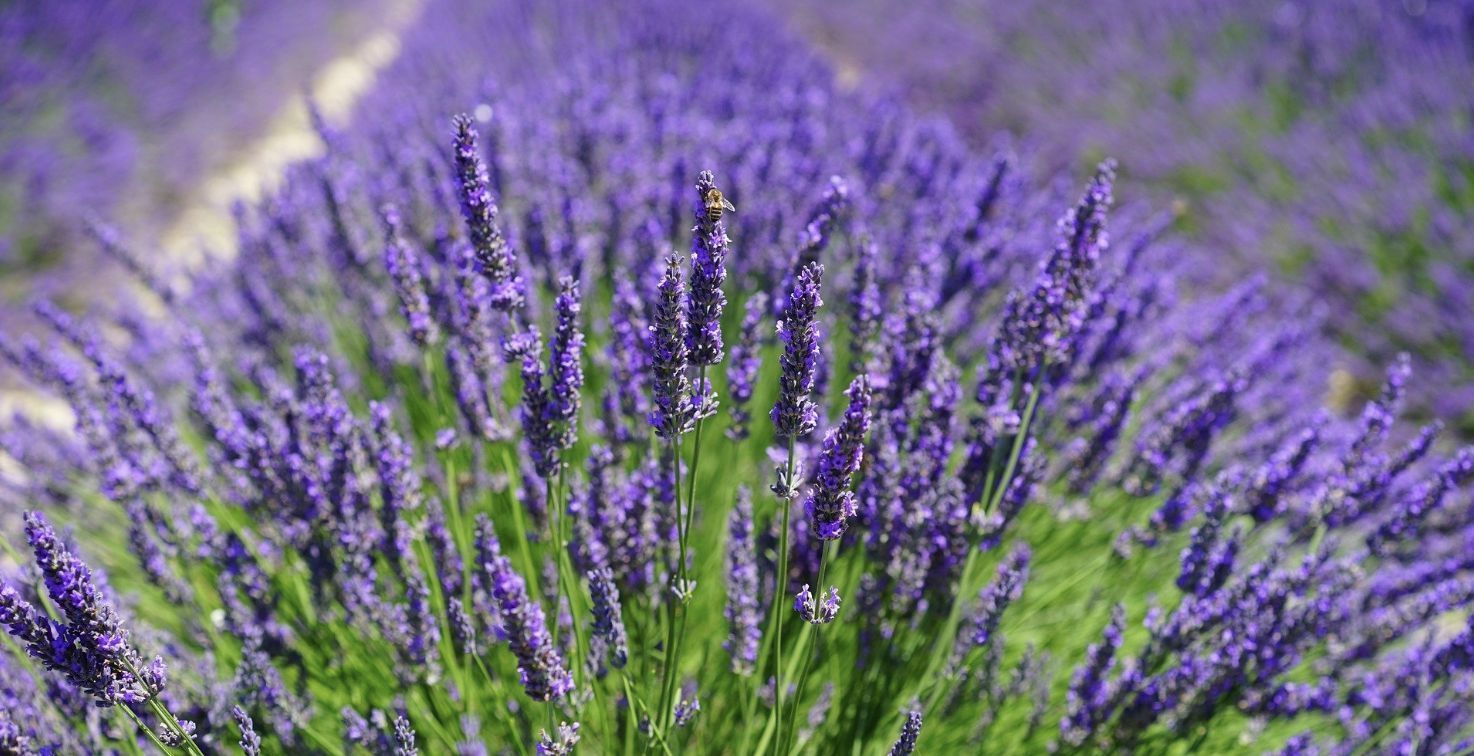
point(369, 505)
point(1329, 141)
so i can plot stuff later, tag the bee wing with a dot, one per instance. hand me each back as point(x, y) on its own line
point(727, 205)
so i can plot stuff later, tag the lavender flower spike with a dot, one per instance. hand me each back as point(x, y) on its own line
point(688, 705)
point(704, 306)
point(744, 611)
point(794, 415)
point(565, 368)
point(400, 488)
point(404, 737)
point(498, 262)
point(409, 285)
point(91, 648)
point(250, 740)
point(995, 598)
point(832, 503)
point(910, 731)
point(538, 664)
point(23, 621)
point(536, 413)
point(1086, 701)
point(866, 307)
point(608, 623)
point(743, 369)
point(673, 413)
point(14, 740)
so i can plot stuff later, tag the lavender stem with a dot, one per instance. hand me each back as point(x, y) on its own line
point(780, 599)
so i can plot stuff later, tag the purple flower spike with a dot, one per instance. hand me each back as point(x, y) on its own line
point(824, 218)
point(866, 307)
point(1088, 696)
point(496, 258)
point(250, 741)
point(794, 415)
point(1273, 480)
point(565, 368)
point(608, 622)
point(549, 411)
point(1206, 561)
point(673, 414)
point(538, 430)
point(910, 731)
point(1041, 323)
point(90, 646)
point(706, 300)
point(832, 502)
point(688, 706)
point(744, 610)
point(1007, 588)
point(20, 618)
point(404, 270)
point(399, 482)
point(538, 664)
point(404, 737)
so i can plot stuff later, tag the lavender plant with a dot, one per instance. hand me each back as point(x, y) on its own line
point(353, 498)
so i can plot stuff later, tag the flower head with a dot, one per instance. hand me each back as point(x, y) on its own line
point(673, 413)
point(706, 300)
point(795, 415)
point(832, 501)
point(493, 254)
point(814, 612)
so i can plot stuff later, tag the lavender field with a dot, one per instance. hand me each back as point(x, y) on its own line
point(650, 377)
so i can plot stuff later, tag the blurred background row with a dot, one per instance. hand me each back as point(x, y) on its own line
point(1326, 143)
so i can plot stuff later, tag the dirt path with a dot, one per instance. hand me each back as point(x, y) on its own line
point(205, 222)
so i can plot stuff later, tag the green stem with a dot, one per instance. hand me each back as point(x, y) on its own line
point(162, 712)
point(1019, 442)
point(695, 464)
point(683, 525)
point(324, 745)
point(1315, 540)
point(632, 720)
point(747, 703)
point(146, 729)
point(554, 532)
point(655, 732)
point(439, 601)
point(673, 606)
point(825, 551)
point(780, 596)
point(529, 566)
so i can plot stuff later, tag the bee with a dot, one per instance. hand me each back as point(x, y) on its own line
point(715, 203)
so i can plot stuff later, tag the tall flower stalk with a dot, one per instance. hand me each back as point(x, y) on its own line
point(829, 506)
point(794, 415)
point(705, 300)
